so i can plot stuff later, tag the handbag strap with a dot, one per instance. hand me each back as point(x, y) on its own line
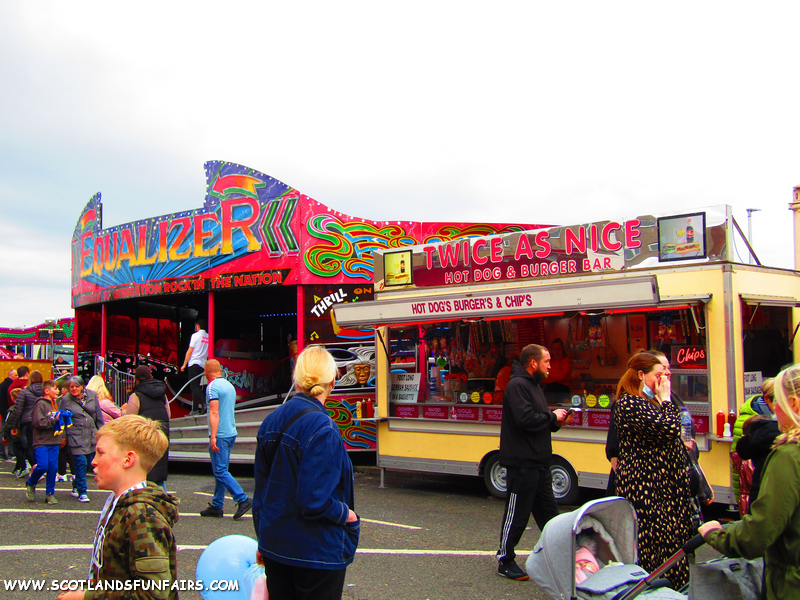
point(273, 447)
point(86, 412)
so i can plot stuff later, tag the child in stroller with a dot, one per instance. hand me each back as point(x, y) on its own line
point(601, 535)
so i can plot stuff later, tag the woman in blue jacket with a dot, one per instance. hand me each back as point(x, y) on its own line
point(303, 503)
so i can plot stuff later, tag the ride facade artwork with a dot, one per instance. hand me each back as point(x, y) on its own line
point(264, 264)
point(36, 344)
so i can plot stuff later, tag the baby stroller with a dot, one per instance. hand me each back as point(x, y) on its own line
point(611, 525)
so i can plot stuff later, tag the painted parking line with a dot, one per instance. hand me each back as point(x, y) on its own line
point(70, 511)
point(40, 486)
point(73, 547)
point(386, 523)
point(375, 551)
point(75, 511)
point(363, 520)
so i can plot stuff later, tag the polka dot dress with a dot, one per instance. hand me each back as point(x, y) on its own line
point(651, 475)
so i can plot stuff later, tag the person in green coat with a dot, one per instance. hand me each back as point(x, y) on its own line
point(773, 528)
point(760, 404)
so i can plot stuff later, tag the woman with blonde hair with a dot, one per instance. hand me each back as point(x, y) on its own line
point(110, 410)
point(303, 502)
point(652, 464)
point(772, 529)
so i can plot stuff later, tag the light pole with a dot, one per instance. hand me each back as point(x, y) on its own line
point(50, 324)
point(750, 212)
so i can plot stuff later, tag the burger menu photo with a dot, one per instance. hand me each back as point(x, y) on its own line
point(682, 237)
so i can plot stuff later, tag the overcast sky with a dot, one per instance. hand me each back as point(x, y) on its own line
point(556, 112)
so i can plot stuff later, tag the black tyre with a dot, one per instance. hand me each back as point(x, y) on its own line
point(565, 481)
point(494, 476)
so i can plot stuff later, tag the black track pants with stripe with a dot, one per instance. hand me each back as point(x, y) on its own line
point(530, 491)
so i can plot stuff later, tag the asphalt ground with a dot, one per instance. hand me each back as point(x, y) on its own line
point(422, 537)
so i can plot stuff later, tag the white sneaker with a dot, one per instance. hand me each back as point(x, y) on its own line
point(74, 493)
point(61, 478)
point(83, 498)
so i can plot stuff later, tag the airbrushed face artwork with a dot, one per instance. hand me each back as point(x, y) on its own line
point(362, 371)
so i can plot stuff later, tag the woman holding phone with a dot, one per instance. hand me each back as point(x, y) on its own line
point(652, 466)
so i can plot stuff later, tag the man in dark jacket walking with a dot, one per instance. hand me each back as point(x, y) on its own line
point(526, 453)
point(149, 399)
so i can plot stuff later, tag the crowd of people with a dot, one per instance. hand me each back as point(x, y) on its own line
point(651, 449)
point(304, 479)
point(303, 504)
point(51, 425)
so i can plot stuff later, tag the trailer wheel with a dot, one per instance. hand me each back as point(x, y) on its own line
point(494, 476)
point(565, 481)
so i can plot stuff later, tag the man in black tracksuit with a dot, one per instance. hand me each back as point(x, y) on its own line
point(526, 453)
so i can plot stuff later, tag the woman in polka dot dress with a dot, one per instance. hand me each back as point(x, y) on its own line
point(651, 468)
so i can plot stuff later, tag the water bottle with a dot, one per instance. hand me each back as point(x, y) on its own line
point(686, 425)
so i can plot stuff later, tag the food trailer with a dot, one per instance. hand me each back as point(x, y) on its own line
point(263, 264)
point(448, 316)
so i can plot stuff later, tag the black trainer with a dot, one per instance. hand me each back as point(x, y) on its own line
point(242, 508)
point(512, 571)
point(211, 511)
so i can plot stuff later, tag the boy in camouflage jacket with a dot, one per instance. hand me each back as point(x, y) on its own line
point(134, 546)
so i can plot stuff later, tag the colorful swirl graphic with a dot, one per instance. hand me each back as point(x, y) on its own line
point(350, 246)
point(447, 233)
point(356, 435)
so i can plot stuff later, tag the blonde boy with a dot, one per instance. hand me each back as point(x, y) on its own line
point(133, 542)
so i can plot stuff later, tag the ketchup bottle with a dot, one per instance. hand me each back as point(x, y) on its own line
point(721, 420)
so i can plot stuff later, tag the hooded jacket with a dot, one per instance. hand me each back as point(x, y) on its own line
point(756, 447)
point(27, 400)
point(755, 405)
point(19, 382)
point(4, 396)
point(153, 405)
point(139, 544)
point(44, 424)
point(773, 528)
point(527, 423)
point(87, 417)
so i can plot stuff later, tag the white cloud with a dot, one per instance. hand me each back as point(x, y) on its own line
point(35, 275)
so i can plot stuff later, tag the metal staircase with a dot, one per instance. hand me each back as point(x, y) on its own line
point(188, 436)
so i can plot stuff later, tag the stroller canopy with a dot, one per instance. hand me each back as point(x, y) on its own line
point(612, 520)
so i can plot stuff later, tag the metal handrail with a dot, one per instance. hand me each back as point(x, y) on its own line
point(178, 393)
point(119, 384)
